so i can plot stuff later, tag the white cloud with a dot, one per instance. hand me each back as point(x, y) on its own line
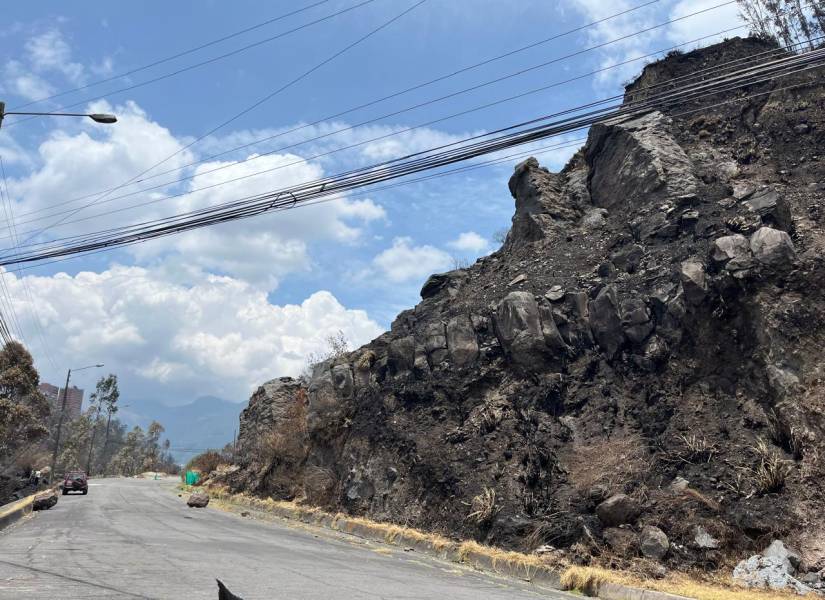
point(24, 83)
point(470, 241)
point(404, 262)
point(215, 335)
point(259, 250)
point(707, 23)
point(48, 51)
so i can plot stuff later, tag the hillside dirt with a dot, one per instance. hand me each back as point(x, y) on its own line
point(644, 353)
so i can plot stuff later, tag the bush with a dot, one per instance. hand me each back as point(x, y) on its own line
point(205, 462)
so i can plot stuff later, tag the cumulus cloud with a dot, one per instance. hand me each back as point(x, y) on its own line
point(470, 241)
point(49, 51)
point(260, 250)
point(404, 262)
point(705, 24)
point(215, 335)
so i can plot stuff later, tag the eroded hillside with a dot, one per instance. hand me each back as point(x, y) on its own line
point(644, 350)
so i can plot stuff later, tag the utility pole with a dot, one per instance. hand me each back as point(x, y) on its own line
point(60, 419)
point(59, 426)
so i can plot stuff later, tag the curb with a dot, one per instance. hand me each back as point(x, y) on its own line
point(13, 512)
point(541, 577)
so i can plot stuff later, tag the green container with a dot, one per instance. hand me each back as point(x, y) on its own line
point(192, 478)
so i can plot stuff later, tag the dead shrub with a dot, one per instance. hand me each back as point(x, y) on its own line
point(483, 507)
point(320, 485)
point(205, 462)
point(692, 494)
point(772, 471)
point(612, 464)
point(281, 453)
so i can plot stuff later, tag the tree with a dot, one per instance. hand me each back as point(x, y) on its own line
point(106, 395)
point(793, 23)
point(24, 410)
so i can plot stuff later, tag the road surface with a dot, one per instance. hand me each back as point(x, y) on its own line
point(135, 538)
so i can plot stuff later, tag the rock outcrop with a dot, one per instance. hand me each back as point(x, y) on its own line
point(656, 315)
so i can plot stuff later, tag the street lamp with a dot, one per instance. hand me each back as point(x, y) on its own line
point(96, 117)
point(62, 412)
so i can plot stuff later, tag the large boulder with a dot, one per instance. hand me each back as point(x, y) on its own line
point(44, 500)
point(637, 160)
point(618, 510)
point(605, 322)
point(636, 320)
point(731, 252)
point(767, 572)
point(435, 343)
point(401, 355)
point(653, 542)
point(518, 328)
point(772, 208)
point(790, 558)
point(773, 248)
point(198, 500)
point(461, 340)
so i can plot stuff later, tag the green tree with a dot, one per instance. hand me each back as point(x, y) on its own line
point(23, 409)
point(104, 397)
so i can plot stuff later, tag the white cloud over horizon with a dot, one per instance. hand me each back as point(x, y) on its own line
point(405, 262)
point(214, 336)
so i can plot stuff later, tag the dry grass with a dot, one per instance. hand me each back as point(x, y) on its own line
point(697, 449)
point(581, 579)
point(483, 507)
point(611, 463)
point(527, 563)
point(692, 494)
point(587, 579)
point(772, 471)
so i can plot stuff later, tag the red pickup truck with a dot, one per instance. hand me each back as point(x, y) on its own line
point(75, 481)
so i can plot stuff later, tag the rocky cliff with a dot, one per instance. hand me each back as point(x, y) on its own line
point(643, 356)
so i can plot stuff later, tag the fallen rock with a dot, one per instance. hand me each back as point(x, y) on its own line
point(704, 540)
point(653, 542)
point(517, 280)
point(790, 558)
point(44, 500)
point(679, 484)
point(198, 500)
point(618, 510)
point(773, 248)
point(773, 209)
point(555, 293)
point(694, 281)
point(636, 320)
point(731, 252)
point(767, 572)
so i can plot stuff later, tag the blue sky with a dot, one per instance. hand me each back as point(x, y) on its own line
point(219, 311)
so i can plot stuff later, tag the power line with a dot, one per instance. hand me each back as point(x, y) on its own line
point(694, 75)
point(200, 64)
point(172, 57)
point(517, 134)
point(256, 104)
point(33, 313)
point(394, 94)
point(353, 127)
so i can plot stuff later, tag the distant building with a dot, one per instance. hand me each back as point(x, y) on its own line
point(74, 401)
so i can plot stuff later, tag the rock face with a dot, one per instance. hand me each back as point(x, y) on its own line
point(198, 500)
point(656, 314)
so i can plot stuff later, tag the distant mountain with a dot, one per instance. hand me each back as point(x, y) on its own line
point(208, 422)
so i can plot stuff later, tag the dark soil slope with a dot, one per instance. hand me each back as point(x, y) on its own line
point(651, 334)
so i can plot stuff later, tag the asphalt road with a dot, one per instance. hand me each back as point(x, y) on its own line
point(132, 538)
